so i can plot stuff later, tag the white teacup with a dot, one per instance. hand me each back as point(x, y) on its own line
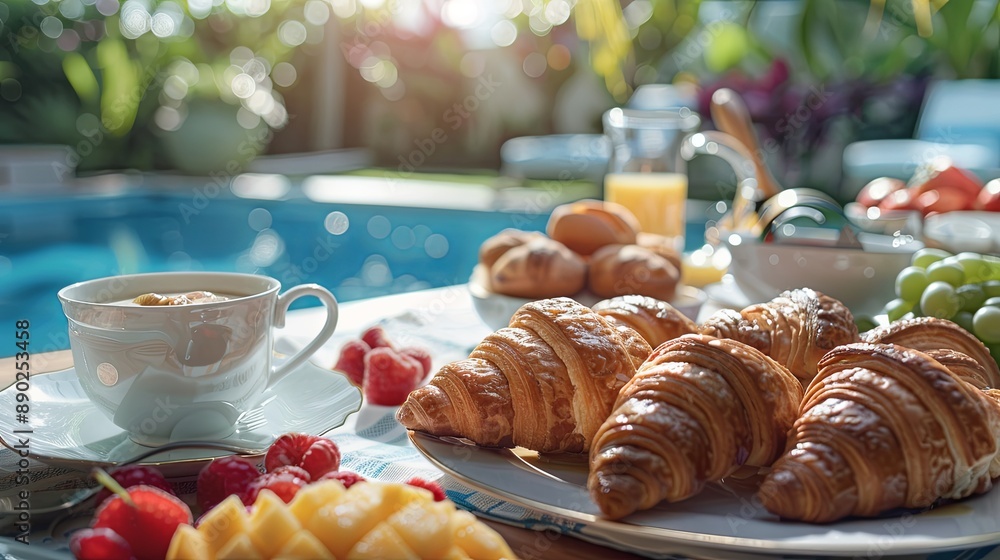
point(165, 373)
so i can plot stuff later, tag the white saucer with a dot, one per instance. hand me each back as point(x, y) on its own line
point(68, 430)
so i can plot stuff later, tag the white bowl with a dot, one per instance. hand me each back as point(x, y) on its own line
point(863, 279)
point(496, 309)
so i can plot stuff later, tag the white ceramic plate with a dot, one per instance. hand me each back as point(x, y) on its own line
point(725, 517)
point(496, 309)
point(68, 430)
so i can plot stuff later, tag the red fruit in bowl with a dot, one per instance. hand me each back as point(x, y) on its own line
point(99, 544)
point(316, 455)
point(900, 200)
point(941, 174)
point(284, 484)
point(352, 360)
point(877, 190)
point(294, 471)
point(937, 201)
point(147, 523)
point(989, 197)
point(375, 337)
point(390, 376)
point(134, 475)
point(222, 477)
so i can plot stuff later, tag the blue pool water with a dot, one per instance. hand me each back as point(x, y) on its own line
point(355, 250)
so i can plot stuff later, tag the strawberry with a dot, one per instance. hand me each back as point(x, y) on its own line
point(316, 455)
point(134, 475)
point(434, 487)
point(146, 519)
point(375, 337)
point(99, 544)
point(389, 376)
point(352, 360)
point(222, 477)
point(347, 478)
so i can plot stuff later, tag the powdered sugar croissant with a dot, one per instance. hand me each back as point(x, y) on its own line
point(796, 328)
point(546, 382)
point(697, 410)
point(884, 427)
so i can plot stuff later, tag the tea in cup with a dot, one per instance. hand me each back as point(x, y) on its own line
point(189, 365)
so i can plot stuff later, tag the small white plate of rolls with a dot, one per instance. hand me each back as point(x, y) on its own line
point(591, 250)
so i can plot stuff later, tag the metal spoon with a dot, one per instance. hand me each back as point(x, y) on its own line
point(52, 501)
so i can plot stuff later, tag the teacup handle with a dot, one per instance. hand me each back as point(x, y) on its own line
point(281, 307)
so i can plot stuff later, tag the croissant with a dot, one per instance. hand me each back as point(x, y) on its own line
point(546, 382)
point(657, 321)
point(931, 333)
point(883, 427)
point(697, 410)
point(796, 328)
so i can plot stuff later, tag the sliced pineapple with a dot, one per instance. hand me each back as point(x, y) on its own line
point(326, 521)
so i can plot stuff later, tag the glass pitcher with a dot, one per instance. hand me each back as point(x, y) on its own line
point(647, 170)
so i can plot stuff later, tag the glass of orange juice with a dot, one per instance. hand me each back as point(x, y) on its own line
point(647, 173)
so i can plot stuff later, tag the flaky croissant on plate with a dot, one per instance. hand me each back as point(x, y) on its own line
point(884, 427)
point(796, 328)
point(933, 335)
point(546, 382)
point(697, 410)
point(656, 320)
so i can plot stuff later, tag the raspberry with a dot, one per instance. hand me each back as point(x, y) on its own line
point(375, 337)
point(134, 475)
point(99, 544)
point(148, 525)
point(284, 485)
point(434, 487)
point(295, 471)
point(222, 477)
point(352, 360)
point(420, 355)
point(389, 377)
point(347, 478)
point(316, 455)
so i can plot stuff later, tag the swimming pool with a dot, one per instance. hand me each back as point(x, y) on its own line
point(356, 251)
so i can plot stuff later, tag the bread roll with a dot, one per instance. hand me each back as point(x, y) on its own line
point(494, 247)
point(540, 268)
point(661, 245)
point(617, 270)
point(587, 225)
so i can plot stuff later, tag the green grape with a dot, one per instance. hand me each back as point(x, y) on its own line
point(971, 297)
point(963, 319)
point(986, 324)
point(917, 311)
point(992, 288)
point(926, 256)
point(940, 300)
point(991, 302)
point(950, 272)
point(865, 323)
point(898, 307)
point(911, 282)
point(976, 268)
point(995, 352)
